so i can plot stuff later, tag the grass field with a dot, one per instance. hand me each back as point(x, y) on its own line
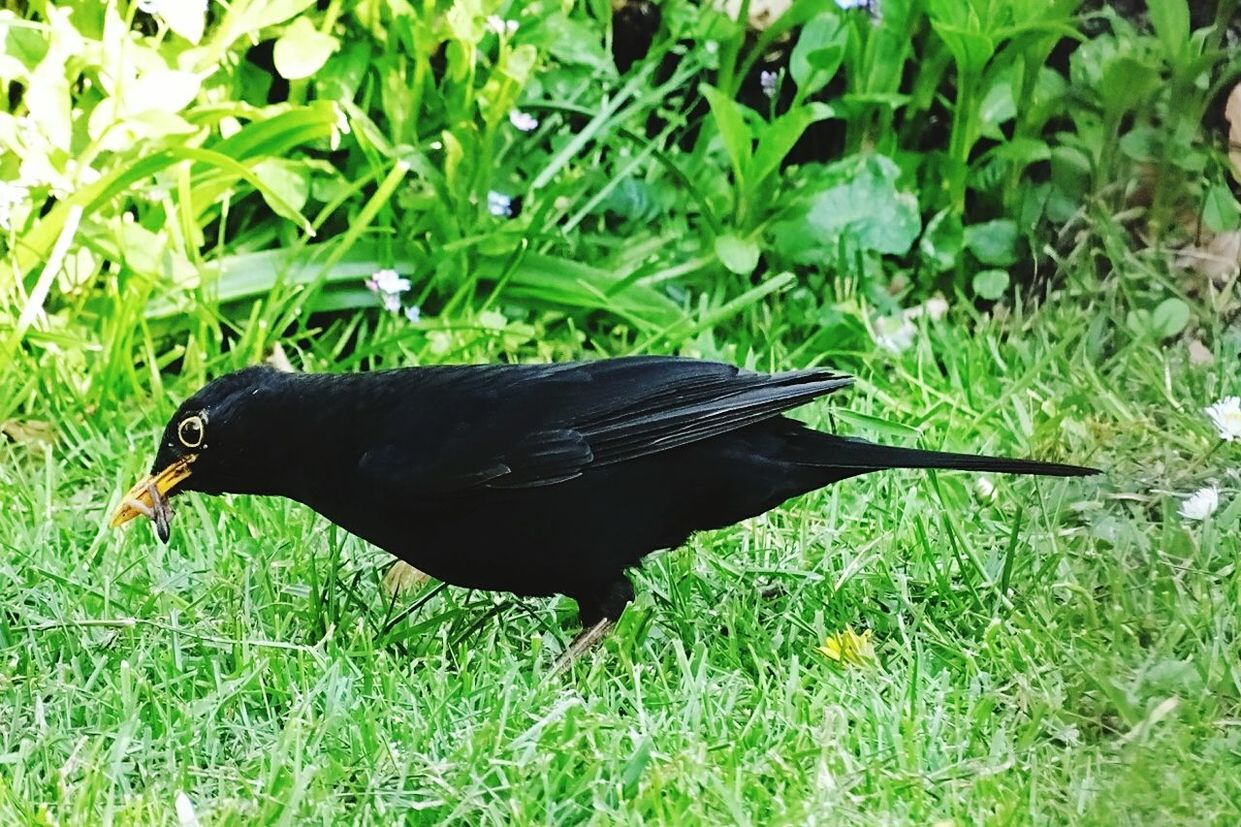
point(1058, 651)
point(188, 187)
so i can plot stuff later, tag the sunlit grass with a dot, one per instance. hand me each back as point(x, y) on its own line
point(1061, 651)
point(906, 648)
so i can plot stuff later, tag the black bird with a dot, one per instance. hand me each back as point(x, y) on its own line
point(531, 479)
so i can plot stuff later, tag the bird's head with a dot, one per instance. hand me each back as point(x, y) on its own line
point(223, 438)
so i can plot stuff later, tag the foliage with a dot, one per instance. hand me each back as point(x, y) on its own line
point(257, 161)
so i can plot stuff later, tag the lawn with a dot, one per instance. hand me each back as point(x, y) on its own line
point(1010, 221)
point(1047, 651)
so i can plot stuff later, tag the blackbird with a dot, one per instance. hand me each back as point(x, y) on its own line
point(531, 479)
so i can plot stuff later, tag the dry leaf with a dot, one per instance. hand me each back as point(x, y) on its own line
point(279, 359)
point(1198, 353)
point(1218, 259)
point(29, 432)
point(402, 577)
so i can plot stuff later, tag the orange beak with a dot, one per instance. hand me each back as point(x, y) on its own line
point(140, 502)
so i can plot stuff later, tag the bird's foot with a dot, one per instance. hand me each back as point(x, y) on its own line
point(586, 640)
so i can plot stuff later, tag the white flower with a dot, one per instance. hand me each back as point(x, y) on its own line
point(389, 285)
point(499, 204)
point(1200, 504)
point(1226, 417)
point(10, 196)
point(894, 333)
point(933, 308)
point(501, 26)
point(871, 6)
point(387, 281)
point(186, 817)
point(523, 121)
point(767, 80)
point(413, 313)
point(986, 488)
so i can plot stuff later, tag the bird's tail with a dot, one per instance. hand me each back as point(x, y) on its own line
point(860, 456)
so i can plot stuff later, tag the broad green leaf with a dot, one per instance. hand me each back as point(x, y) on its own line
point(1170, 19)
point(819, 51)
point(942, 241)
point(1220, 211)
point(573, 42)
point(539, 279)
point(733, 129)
point(1169, 318)
point(853, 202)
point(990, 284)
point(998, 107)
point(302, 50)
point(994, 242)
point(740, 255)
point(287, 180)
point(778, 138)
point(1127, 83)
point(23, 44)
point(969, 38)
point(1141, 143)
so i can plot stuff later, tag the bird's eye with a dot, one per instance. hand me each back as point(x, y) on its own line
point(190, 431)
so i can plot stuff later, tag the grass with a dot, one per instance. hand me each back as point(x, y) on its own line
point(1065, 652)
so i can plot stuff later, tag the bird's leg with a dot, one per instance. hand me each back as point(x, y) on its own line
point(599, 612)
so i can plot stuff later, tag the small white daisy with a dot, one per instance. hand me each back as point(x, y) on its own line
point(499, 204)
point(1200, 504)
point(767, 80)
point(1226, 417)
point(523, 121)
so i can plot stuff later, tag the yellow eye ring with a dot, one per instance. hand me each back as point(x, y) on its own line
point(192, 430)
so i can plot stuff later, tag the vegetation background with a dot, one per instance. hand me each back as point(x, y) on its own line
point(1016, 222)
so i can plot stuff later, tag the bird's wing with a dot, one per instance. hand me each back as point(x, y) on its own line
point(530, 426)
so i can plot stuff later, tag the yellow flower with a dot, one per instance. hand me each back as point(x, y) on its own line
point(848, 647)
